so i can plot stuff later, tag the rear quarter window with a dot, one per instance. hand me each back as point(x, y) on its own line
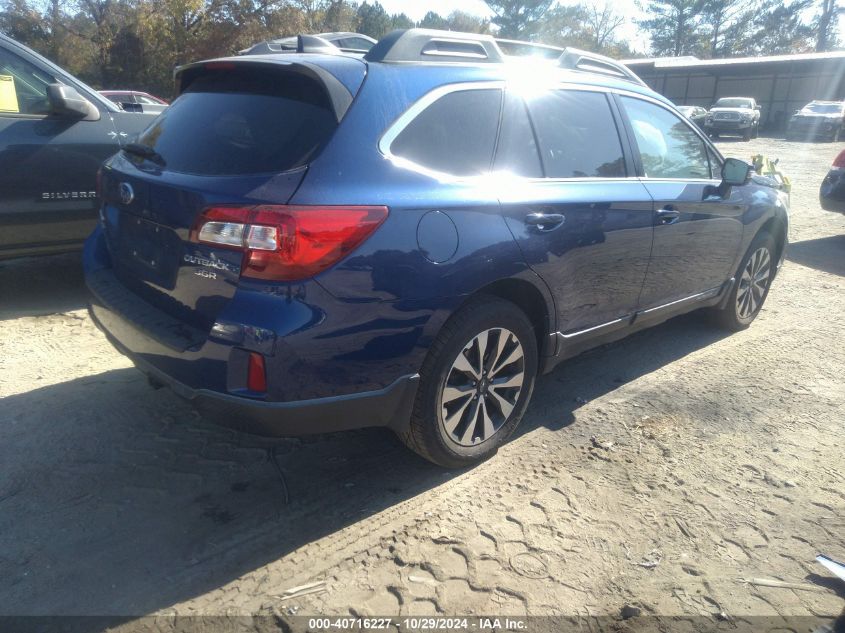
point(455, 135)
point(243, 121)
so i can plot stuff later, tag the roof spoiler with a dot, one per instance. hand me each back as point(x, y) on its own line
point(427, 45)
point(338, 94)
point(576, 59)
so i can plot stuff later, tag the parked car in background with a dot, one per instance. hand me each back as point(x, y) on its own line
point(832, 191)
point(736, 116)
point(345, 41)
point(135, 101)
point(696, 114)
point(818, 119)
point(297, 249)
point(54, 133)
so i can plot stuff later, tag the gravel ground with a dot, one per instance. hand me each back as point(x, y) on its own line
point(667, 471)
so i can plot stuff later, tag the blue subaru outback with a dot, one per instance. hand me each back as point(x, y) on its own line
point(311, 241)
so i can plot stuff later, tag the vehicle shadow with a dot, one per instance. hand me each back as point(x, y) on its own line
point(34, 286)
point(117, 500)
point(825, 253)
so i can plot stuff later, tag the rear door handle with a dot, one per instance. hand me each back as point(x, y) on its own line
point(545, 221)
point(667, 215)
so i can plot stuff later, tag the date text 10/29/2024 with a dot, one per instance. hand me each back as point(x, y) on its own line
point(418, 624)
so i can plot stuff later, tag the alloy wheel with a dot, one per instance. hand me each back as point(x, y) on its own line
point(753, 283)
point(482, 387)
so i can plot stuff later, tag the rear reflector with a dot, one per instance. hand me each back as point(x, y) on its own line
point(839, 161)
point(256, 379)
point(288, 243)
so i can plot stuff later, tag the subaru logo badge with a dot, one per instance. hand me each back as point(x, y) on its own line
point(127, 194)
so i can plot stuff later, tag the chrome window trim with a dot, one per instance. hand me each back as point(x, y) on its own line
point(398, 126)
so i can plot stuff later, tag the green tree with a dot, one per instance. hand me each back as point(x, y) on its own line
point(460, 21)
point(674, 26)
point(779, 30)
point(826, 24)
point(401, 21)
point(24, 23)
point(372, 20)
point(565, 25)
point(432, 20)
point(519, 19)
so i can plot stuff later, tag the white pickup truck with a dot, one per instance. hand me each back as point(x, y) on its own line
point(738, 116)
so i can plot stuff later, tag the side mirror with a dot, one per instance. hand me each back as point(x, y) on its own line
point(65, 101)
point(735, 172)
point(757, 107)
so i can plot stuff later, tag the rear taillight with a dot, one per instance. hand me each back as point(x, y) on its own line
point(256, 376)
point(839, 161)
point(288, 243)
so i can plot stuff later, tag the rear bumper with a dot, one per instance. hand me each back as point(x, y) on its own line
point(832, 191)
point(206, 371)
point(390, 407)
point(810, 130)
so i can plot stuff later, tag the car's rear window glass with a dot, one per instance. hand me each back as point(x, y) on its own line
point(244, 121)
point(455, 135)
point(516, 152)
point(577, 134)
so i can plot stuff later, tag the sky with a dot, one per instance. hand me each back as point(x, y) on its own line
point(415, 9)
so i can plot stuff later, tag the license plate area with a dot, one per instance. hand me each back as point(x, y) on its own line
point(150, 251)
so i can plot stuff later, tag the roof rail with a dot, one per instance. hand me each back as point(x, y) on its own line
point(420, 45)
point(520, 48)
point(576, 59)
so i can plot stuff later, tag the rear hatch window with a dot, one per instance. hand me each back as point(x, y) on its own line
point(229, 123)
point(238, 135)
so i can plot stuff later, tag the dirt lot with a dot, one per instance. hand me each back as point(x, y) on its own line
point(716, 460)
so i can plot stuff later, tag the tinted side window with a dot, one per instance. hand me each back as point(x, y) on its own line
point(357, 43)
point(517, 150)
point(455, 134)
point(668, 147)
point(23, 86)
point(577, 135)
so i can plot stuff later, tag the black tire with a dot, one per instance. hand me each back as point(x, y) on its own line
point(732, 317)
point(427, 433)
point(756, 132)
point(746, 134)
point(714, 135)
point(836, 136)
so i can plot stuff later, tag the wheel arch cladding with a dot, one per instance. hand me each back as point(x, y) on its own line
point(528, 298)
point(775, 227)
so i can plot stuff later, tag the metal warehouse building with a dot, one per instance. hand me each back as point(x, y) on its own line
point(781, 84)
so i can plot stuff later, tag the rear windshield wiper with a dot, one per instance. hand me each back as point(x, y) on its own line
point(144, 151)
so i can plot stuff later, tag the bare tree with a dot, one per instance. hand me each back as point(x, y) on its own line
point(602, 21)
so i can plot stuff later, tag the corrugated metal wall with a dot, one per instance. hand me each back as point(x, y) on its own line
point(780, 87)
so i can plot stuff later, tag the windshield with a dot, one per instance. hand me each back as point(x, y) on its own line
point(733, 103)
point(823, 108)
